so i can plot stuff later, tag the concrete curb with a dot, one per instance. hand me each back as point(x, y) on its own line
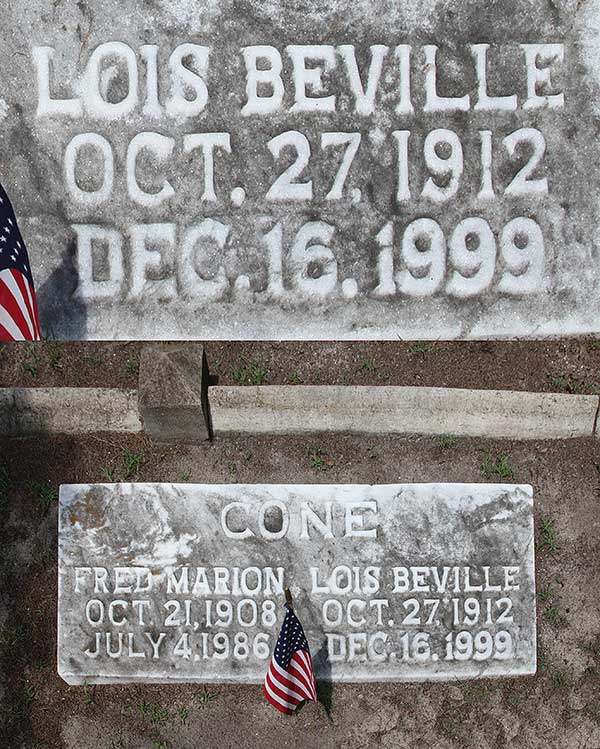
point(402, 410)
point(26, 411)
point(301, 409)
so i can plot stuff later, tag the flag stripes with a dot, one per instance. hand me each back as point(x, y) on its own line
point(290, 679)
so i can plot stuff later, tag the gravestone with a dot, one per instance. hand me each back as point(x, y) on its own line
point(324, 170)
point(407, 582)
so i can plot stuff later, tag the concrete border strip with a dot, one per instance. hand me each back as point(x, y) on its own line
point(27, 411)
point(289, 409)
point(402, 410)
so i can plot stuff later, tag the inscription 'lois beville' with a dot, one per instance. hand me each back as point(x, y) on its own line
point(416, 259)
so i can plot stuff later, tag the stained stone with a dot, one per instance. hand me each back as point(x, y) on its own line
point(321, 170)
point(172, 393)
point(406, 582)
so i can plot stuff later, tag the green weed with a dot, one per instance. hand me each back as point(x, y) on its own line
point(45, 493)
point(447, 441)
point(420, 349)
point(204, 698)
point(548, 540)
point(54, 359)
point(295, 379)
point(156, 714)
point(132, 367)
point(4, 486)
point(89, 695)
point(319, 459)
point(31, 363)
point(251, 372)
point(499, 466)
point(130, 463)
point(108, 473)
point(560, 679)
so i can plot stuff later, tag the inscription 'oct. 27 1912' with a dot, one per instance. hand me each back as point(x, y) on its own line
point(306, 168)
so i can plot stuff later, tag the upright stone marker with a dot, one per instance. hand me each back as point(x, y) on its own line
point(322, 170)
point(166, 582)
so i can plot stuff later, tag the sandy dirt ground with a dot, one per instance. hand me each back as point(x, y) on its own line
point(559, 708)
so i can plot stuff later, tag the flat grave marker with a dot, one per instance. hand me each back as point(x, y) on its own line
point(407, 582)
point(364, 170)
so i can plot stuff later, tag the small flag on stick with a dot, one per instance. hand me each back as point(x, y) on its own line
point(290, 679)
point(19, 319)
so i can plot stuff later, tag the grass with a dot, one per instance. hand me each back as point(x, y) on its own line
point(183, 714)
point(474, 693)
point(543, 664)
point(4, 486)
point(560, 679)
point(295, 379)
point(185, 476)
point(29, 693)
point(574, 385)
point(132, 367)
point(369, 365)
point(54, 359)
point(250, 372)
point(130, 463)
point(205, 697)
point(548, 541)
point(108, 473)
point(93, 360)
point(31, 363)
point(89, 695)
point(46, 494)
point(446, 441)
point(500, 466)
point(318, 459)
point(420, 349)
point(546, 594)
point(553, 615)
point(156, 714)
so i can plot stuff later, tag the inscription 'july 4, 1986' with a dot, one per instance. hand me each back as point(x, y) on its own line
point(377, 608)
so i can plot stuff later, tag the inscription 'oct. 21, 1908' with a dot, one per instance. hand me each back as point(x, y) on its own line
point(163, 582)
point(221, 172)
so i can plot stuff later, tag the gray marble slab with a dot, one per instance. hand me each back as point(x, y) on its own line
point(406, 582)
point(321, 170)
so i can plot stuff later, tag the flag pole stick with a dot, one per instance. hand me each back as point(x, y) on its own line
point(288, 598)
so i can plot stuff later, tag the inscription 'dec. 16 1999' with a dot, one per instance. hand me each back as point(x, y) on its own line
point(210, 170)
point(167, 582)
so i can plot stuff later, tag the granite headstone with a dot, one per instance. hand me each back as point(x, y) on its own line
point(407, 582)
point(318, 170)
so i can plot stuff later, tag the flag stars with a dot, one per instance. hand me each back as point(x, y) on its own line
point(6, 230)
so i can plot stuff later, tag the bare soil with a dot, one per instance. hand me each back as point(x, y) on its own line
point(558, 708)
point(540, 366)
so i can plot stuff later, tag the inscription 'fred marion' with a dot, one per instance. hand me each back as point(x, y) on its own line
point(186, 582)
point(278, 178)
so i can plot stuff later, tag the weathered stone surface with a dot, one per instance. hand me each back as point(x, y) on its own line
point(281, 409)
point(317, 170)
point(25, 411)
point(392, 583)
point(172, 393)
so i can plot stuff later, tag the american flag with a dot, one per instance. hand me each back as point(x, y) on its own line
point(19, 319)
point(290, 679)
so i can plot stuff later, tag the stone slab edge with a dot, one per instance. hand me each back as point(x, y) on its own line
point(402, 410)
point(26, 411)
point(286, 409)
